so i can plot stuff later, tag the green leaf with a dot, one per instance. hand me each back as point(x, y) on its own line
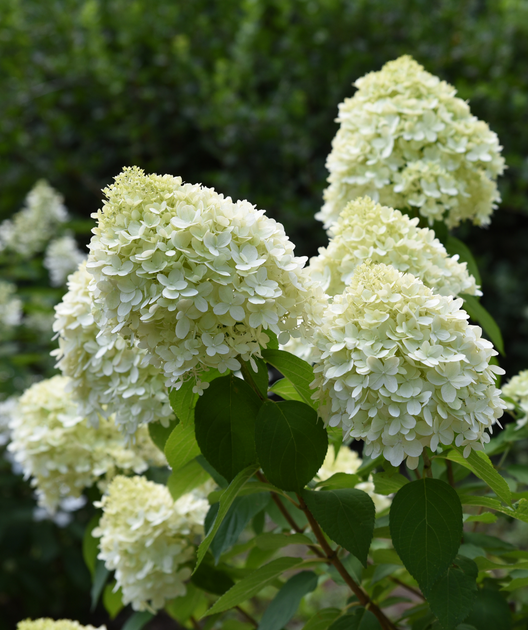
point(284, 606)
point(90, 545)
point(112, 600)
point(322, 619)
point(388, 483)
point(181, 446)
point(340, 480)
point(519, 472)
point(238, 517)
point(226, 500)
point(298, 372)
point(211, 579)
point(253, 583)
point(194, 602)
point(160, 434)
point(291, 443)
point(426, 528)
point(99, 580)
point(259, 378)
point(138, 620)
point(480, 315)
point(490, 611)
point(451, 597)
point(217, 477)
point(285, 389)
point(183, 400)
point(186, 479)
point(480, 465)
point(277, 541)
point(515, 584)
point(358, 619)
point(225, 425)
point(455, 246)
point(347, 516)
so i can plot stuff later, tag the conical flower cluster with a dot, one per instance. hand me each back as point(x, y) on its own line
point(400, 368)
point(62, 453)
point(110, 375)
point(149, 539)
point(10, 308)
point(365, 230)
point(407, 141)
point(50, 624)
point(62, 257)
point(196, 277)
point(517, 389)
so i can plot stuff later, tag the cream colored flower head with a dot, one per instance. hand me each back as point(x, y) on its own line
point(400, 368)
point(110, 375)
point(517, 389)
point(62, 257)
point(10, 308)
point(31, 228)
point(62, 453)
point(407, 141)
point(149, 539)
point(349, 462)
point(196, 277)
point(367, 230)
point(50, 624)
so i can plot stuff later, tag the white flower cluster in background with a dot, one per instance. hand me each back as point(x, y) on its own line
point(6, 412)
point(62, 453)
point(517, 389)
point(50, 624)
point(407, 141)
point(10, 308)
point(400, 368)
point(196, 277)
point(349, 462)
point(367, 230)
point(31, 228)
point(109, 374)
point(62, 257)
point(146, 537)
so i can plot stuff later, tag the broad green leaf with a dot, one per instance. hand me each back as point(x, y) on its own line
point(381, 571)
point(347, 516)
point(238, 517)
point(284, 606)
point(490, 611)
point(285, 389)
point(455, 246)
point(100, 578)
point(277, 541)
point(160, 434)
point(515, 584)
point(322, 619)
point(386, 556)
point(90, 545)
point(353, 567)
point(224, 420)
point(298, 372)
point(519, 472)
point(226, 500)
point(112, 600)
point(519, 511)
point(368, 466)
point(340, 480)
point(181, 446)
point(388, 483)
point(291, 443)
point(480, 465)
point(218, 479)
point(273, 343)
point(358, 619)
point(253, 583)
point(260, 378)
point(194, 602)
point(186, 479)
point(485, 517)
point(183, 400)
point(138, 620)
point(480, 315)
point(451, 597)
point(426, 528)
point(211, 579)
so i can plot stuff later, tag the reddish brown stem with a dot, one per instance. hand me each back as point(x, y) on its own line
point(450, 476)
point(411, 589)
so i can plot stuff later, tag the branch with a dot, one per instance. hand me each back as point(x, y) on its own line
point(247, 616)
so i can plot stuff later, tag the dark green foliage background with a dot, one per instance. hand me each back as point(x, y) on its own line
point(240, 95)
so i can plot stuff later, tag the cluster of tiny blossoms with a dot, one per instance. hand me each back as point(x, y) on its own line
point(149, 539)
point(109, 374)
point(62, 453)
point(517, 389)
point(50, 624)
point(62, 257)
point(400, 368)
point(407, 141)
point(30, 229)
point(196, 277)
point(10, 308)
point(365, 230)
point(348, 461)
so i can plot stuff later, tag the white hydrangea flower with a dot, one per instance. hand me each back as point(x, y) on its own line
point(62, 257)
point(349, 462)
point(149, 539)
point(62, 453)
point(367, 230)
point(400, 368)
point(31, 228)
point(517, 389)
point(407, 141)
point(196, 277)
point(10, 308)
point(50, 624)
point(6, 411)
point(110, 375)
